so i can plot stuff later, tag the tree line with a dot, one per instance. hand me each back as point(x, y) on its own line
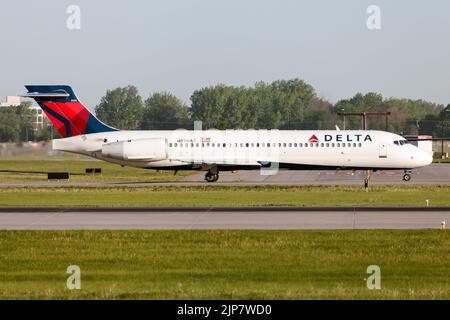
point(16, 125)
point(283, 104)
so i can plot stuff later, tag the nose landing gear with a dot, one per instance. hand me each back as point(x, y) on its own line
point(407, 175)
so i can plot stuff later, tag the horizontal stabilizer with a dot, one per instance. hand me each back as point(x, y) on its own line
point(38, 95)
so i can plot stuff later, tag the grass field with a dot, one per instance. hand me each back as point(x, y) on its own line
point(438, 160)
point(225, 196)
point(225, 264)
point(34, 170)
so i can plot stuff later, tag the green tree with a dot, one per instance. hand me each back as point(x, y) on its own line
point(319, 115)
point(163, 110)
point(290, 98)
point(209, 105)
point(26, 118)
point(370, 102)
point(121, 108)
point(10, 125)
point(442, 128)
point(281, 104)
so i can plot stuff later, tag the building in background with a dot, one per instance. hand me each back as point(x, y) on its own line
point(37, 119)
point(11, 101)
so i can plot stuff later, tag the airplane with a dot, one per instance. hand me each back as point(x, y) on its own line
point(223, 150)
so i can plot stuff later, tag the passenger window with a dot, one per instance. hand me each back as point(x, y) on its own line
point(268, 145)
point(306, 145)
point(360, 145)
point(321, 145)
point(290, 145)
point(224, 145)
point(284, 145)
point(349, 145)
point(317, 145)
point(257, 145)
point(196, 145)
point(354, 145)
point(213, 144)
point(311, 145)
point(300, 145)
point(295, 145)
point(252, 145)
point(328, 145)
point(247, 145)
point(207, 144)
point(170, 145)
point(175, 145)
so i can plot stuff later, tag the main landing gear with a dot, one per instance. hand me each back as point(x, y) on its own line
point(407, 175)
point(212, 175)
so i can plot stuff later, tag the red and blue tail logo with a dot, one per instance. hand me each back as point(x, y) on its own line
point(65, 111)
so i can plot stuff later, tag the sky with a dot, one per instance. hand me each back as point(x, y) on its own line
point(182, 45)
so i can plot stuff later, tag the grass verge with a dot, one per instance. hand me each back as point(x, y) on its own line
point(225, 196)
point(35, 171)
point(225, 264)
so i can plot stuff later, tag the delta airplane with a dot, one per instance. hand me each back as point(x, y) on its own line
point(222, 150)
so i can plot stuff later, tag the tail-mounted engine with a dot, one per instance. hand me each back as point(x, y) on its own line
point(154, 149)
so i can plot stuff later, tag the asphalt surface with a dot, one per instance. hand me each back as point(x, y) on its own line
point(435, 174)
point(432, 174)
point(265, 218)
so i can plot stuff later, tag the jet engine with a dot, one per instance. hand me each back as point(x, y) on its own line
point(154, 149)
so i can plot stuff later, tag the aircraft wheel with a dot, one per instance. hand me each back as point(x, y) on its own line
point(211, 177)
point(406, 177)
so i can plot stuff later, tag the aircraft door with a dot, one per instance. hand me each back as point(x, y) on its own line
point(383, 151)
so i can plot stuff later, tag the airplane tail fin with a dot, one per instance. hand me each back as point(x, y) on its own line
point(69, 116)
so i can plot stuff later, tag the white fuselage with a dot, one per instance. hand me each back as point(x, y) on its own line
point(296, 149)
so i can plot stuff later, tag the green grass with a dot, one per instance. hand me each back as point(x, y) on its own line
point(225, 264)
point(225, 196)
point(33, 170)
point(438, 160)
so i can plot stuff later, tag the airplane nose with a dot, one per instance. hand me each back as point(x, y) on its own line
point(423, 158)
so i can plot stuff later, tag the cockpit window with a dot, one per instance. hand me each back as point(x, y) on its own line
point(401, 142)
